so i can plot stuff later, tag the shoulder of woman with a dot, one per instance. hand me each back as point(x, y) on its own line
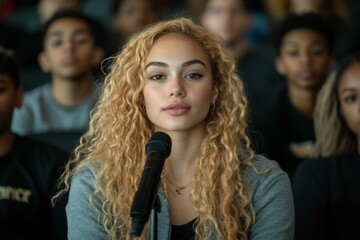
point(87, 171)
point(264, 172)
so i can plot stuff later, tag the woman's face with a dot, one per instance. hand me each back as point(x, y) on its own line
point(349, 97)
point(179, 86)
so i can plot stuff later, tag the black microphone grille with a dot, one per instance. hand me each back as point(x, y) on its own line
point(159, 142)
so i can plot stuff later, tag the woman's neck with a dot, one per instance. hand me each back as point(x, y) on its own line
point(184, 151)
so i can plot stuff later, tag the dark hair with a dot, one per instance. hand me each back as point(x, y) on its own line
point(78, 15)
point(9, 65)
point(345, 63)
point(115, 6)
point(311, 21)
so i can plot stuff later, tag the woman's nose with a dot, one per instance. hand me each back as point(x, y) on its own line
point(176, 88)
point(177, 92)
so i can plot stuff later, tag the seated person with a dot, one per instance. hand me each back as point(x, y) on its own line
point(129, 17)
point(71, 53)
point(282, 127)
point(232, 20)
point(28, 171)
point(326, 189)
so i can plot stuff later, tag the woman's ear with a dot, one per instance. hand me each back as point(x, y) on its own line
point(215, 94)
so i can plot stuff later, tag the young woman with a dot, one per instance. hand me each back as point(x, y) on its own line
point(177, 78)
point(326, 190)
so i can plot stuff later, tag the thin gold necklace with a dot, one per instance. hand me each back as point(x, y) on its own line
point(178, 189)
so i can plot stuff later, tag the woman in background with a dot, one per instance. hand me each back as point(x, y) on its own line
point(327, 189)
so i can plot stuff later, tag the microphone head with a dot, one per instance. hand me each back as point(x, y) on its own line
point(159, 142)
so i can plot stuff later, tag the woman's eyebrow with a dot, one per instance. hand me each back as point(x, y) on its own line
point(185, 64)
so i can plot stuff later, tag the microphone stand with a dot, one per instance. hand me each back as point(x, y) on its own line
point(156, 207)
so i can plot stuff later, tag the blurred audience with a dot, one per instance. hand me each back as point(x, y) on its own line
point(282, 127)
point(45, 9)
point(130, 16)
point(71, 53)
point(326, 189)
point(335, 12)
point(231, 20)
point(28, 171)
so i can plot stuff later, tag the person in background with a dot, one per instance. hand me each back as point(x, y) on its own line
point(47, 8)
point(326, 189)
point(28, 171)
point(336, 12)
point(129, 17)
point(32, 45)
point(282, 128)
point(177, 78)
point(71, 53)
point(231, 19)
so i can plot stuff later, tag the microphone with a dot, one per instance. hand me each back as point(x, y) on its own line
point(157, 150)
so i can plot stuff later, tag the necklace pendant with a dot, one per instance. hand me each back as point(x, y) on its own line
point(178, 190)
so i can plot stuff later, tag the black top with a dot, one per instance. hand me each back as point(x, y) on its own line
point(257, 70)
point(183, 232)
point(280, 132)
point(327, 198)
point(28, 173)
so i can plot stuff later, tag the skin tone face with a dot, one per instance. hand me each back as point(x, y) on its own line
point(303, 6)
point(10, 97)
point(304, 59)
point(133, 15)
point(179, 86)
point(229, 18)
point(70, 51)
point(349, 98)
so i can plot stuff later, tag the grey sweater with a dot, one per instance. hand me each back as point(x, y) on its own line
point(40, 113)
point(272, 200)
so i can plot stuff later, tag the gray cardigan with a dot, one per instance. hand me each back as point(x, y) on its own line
point(272, 200)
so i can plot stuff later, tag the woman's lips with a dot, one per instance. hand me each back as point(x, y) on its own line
point(177, 109)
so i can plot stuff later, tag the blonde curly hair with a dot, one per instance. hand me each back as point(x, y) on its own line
point(327, 115)
point(119, 129)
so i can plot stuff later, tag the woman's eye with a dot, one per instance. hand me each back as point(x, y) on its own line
point(157, 77)
point(193, 76)
point(350, 99)
point(80, 40)
point(292, 53)
point(56, 42)
point(317, 52)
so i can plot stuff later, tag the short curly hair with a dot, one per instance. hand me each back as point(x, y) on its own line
point(310, 21)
